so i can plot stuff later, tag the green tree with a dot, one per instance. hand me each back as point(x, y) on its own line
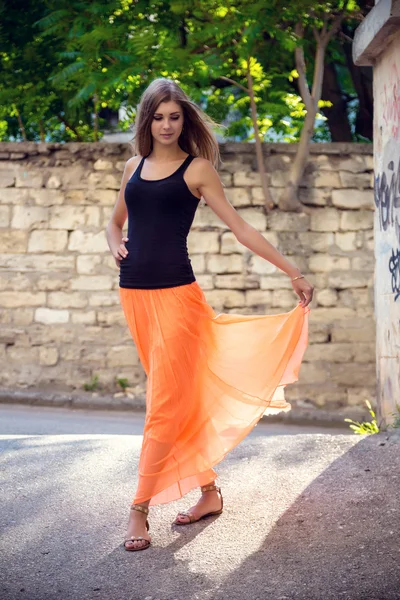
point(30, 106)
point(71, 61)
point(232, 40)
point(325, 20)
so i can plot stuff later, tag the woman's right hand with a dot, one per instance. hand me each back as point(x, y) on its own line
point(120, 252)
point(304, 290)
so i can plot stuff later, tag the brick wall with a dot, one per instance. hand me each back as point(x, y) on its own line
point(61, 321)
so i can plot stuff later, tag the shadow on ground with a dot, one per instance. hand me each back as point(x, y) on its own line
point(339, 539)
point(308, 517)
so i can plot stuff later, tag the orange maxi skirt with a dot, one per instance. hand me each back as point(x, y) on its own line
point(210, 378)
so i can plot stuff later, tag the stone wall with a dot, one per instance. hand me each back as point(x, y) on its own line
point(61, 321)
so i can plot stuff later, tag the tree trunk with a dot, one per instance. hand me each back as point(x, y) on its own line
point(21, 125)
point(259, 152)
point(336, 115)
point(42, 133)
point(362, 81)
point(365, 113)
point(96, 118)
point(289, 197)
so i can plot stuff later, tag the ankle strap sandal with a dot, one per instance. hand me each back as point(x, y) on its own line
point(140, 508)
point(133, 538)
point(192, 518)
point(210, 488)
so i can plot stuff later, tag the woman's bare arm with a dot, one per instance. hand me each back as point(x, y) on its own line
point(208, 183)
point(119, 215)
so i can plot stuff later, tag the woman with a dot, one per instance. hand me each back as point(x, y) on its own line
point(210, 377)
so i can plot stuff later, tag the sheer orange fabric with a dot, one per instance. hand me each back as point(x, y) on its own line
point(210, 378)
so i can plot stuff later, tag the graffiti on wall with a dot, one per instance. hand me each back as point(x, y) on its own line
point(391, 102)
point(387, 202)
point(394, 268)
point(387, 197)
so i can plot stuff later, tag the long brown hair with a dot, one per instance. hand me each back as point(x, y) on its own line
point(197, 137)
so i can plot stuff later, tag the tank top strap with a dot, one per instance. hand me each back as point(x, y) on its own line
point(140, 165)
point(184, 165)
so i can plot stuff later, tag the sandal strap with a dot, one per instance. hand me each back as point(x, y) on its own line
point(210, 488)
point(137, 539)
point(186, 513)
point(140, 508)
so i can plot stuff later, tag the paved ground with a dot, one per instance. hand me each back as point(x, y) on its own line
point(308, 515)
point(39, 420)
point(128, 403)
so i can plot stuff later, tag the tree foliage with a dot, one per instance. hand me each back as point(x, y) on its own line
point(70, 62)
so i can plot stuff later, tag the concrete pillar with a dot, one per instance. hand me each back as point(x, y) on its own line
point(377, 43)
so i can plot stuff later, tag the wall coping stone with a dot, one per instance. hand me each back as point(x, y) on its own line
point(22, 150)
point(374, 34)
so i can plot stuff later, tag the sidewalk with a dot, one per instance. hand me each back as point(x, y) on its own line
point(306, 517)
point(121, 401)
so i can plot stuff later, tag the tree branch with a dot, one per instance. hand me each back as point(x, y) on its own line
point(69, 126)
point(191, 15)
point(21, 125)
point(324, 27)
point(301, 70)
point(42, 132)
point(183, 33)
point(318, 73)
point(203, 48)
point(320, 56)
point(110, 58)
point(239, 85)
point(345, 37)
point(258, 142)
point(335, 27)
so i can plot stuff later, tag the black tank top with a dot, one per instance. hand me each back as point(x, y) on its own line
point(160, 214)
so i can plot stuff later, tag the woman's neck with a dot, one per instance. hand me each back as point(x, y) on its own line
point(166, 154)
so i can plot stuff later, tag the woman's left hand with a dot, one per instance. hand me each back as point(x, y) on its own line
point(304, 290)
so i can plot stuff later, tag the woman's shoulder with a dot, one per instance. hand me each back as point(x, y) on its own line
point(202, 165)
point(133, 161)
point(131, 165)
point(201, 170)
point(200, 160)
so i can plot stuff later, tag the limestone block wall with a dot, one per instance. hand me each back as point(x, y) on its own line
point(61, 321)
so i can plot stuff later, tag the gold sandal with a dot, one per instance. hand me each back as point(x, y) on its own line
point(133, 538)
point(192, 519)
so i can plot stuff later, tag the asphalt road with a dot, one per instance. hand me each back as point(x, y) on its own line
point(307, 515)
point(37, 420)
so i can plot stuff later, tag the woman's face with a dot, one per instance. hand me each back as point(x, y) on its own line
point(167, 122)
